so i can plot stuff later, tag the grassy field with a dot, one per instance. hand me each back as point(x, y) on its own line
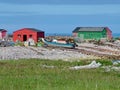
point(35, 74)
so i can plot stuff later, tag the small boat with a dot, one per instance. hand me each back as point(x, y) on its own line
point(57, 44)
point(6, 43)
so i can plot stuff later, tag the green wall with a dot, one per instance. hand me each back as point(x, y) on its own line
point(92, 34)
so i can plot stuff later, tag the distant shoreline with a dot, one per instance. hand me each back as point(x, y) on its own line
point(116, 34)
point(70, 34)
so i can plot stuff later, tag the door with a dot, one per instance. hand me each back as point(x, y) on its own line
point(82, 36)
point(24, 37)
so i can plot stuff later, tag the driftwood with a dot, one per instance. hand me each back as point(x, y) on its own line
point(92, 65)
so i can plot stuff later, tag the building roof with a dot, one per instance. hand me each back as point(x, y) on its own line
point(77, 29)
point(33, 29)
point(3, 30)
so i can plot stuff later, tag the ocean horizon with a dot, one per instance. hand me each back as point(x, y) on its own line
point(70, 34)
point(116, 34)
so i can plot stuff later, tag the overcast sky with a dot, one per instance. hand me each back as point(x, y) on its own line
point(59, 16)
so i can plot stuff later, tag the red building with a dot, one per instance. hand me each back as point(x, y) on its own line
point(27, 33)
point(3, 33)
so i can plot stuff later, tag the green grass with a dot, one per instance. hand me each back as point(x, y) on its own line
point(33, 75)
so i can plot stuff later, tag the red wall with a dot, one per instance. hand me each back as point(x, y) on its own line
point(28, 33)
point(4, 34)
point(40, 34)
point(109, 33)
point(75, 34)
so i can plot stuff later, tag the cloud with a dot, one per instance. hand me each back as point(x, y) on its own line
point(61, 1)
point(36, 9)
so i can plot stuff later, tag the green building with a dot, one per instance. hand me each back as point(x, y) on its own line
point(92, 33)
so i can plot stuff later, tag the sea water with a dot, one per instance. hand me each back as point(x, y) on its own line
point(116, 35)
point(69, 34)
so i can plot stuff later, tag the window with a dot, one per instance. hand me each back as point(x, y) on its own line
point(30, 36)
point(19, 35)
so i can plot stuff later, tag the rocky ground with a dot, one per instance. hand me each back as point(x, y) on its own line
point(83, 51)
point(17, 52)
point(108, 50)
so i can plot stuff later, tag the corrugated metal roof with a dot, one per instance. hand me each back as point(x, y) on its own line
point(33, 29)
point(2, 30)
point(77, 29)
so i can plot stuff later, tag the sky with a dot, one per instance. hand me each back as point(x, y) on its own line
point(59, 16)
